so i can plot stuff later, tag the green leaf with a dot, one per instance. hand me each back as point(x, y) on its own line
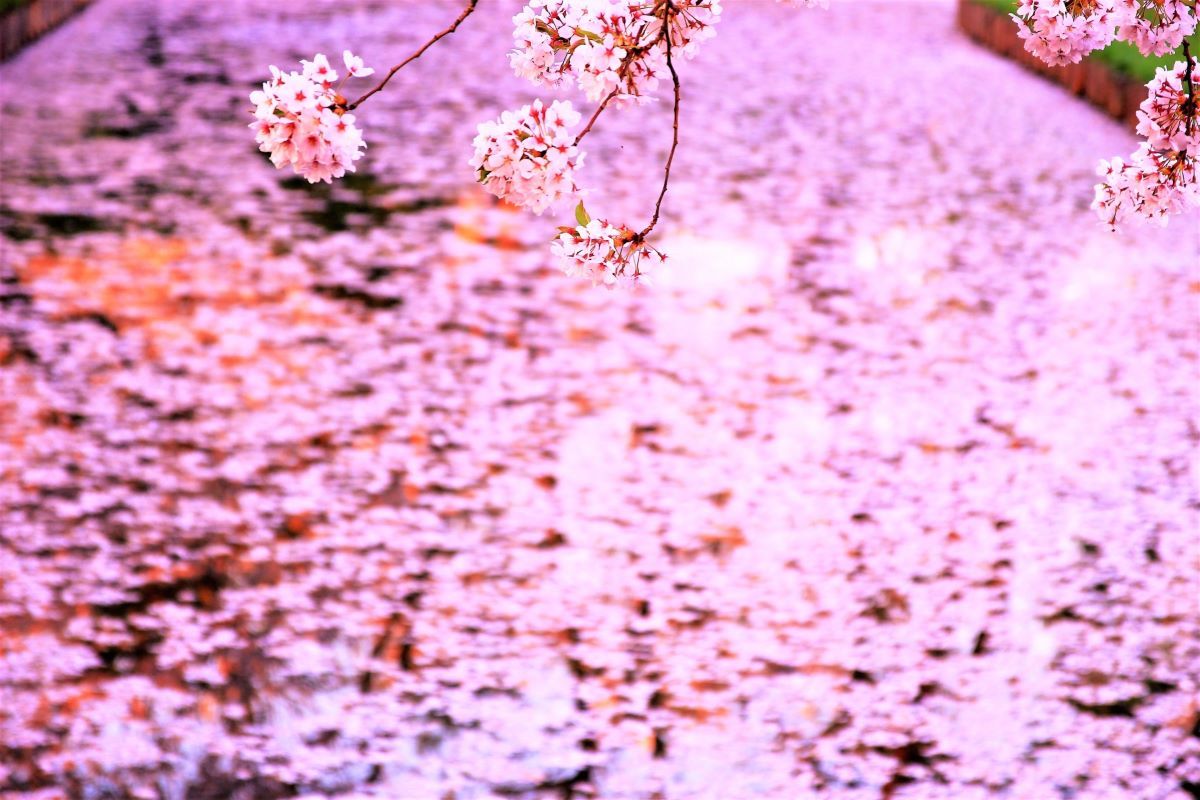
point(581, 215)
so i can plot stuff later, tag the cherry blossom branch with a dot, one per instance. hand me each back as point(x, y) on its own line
point(453, 26)
point(596, 115)
point(631, 58)
point(674, 132)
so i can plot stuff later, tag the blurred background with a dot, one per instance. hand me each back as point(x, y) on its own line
point(888, 488)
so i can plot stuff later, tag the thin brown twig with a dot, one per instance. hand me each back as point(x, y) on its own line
point(453, 26)
point(1187, 58)
point(632, 55)
point(674, 129)
point(631, 58)
point(596, 115)
point(1189, 107)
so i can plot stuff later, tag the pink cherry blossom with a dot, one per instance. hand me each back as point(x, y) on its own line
point(606, 46)
point(528, 156)
point(302, 122)
point(1169, 118)
point(1160, 179)
point(604, 253)
point(1064, 31)
point(1152, 185)
point(1157, 27)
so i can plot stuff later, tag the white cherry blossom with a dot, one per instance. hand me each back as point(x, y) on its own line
point(354, 65)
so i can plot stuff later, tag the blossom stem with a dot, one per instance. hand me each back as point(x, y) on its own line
point(449, 30)
point(674, 127)
point(1189, 108)
point(1187, 58)
point(596, 115)
point(631, 57)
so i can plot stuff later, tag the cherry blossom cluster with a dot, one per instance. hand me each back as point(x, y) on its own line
point(1157, 27)
point(528, 157)
point(1064, 31)
point(622, 49)
point(1161, 177)
point(604, 253)
point(613, 50)
point(302, 120)
point(1152, 185)
point(606, 46)
point(1169, 117)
